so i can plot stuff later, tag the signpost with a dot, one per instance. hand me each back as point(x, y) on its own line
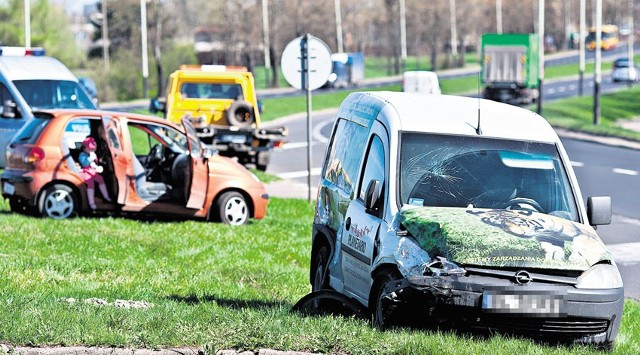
point(306, 65)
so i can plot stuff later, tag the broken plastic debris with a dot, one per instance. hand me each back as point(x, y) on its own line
point(411, 258)
point(444, 267)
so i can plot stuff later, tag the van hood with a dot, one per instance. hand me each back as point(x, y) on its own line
point(504, 238)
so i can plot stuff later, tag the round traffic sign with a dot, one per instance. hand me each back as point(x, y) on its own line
point(320, 64)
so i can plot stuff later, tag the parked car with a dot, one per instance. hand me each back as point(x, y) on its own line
point(150, 166)
point(421, 81)
point(463, 212)
point(29, 81)
point(624, 71)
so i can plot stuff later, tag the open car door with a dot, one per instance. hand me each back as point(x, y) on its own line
point(198, 174)
point(113, 137)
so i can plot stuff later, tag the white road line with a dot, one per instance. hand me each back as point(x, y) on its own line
point(317, 132)
point(294, 145)
point(551, 91)
point(577, 164)
point(562, 89)
point(625, 253)
point(299, 174)
point(572, 87)
point(625, 171)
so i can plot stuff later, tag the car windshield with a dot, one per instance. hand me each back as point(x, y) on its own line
point(48, 94)
point(477, 172)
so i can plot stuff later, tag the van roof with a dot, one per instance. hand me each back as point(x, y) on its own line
point(458, 115)
point(34, 68)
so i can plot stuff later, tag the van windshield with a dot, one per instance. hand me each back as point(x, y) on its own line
point(476, 172)
point(48, 94)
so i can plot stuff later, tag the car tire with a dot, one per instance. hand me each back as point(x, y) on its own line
point(383, 316)
point(58, 202)
point(231, 208)
point(320, 273)
point(240, 114)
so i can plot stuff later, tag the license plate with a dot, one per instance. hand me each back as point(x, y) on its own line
point(8, 188)
point(233, 139)
point(538, 303)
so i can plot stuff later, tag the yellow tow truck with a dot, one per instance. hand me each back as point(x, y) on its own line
point(221, 103)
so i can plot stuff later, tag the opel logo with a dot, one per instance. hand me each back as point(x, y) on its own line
point(523, 277)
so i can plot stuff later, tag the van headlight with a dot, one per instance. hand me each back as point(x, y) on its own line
point(601, 276)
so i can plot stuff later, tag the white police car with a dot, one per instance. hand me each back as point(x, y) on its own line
point(452, 210)
point(30, 80)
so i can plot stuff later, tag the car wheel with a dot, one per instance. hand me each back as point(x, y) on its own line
point(320, 274)
point(385, 313)
point(58, 202)
point(232, 208)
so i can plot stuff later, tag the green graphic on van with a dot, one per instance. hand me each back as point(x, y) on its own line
point(504, 238)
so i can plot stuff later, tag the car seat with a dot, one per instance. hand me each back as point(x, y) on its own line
point(147, 190)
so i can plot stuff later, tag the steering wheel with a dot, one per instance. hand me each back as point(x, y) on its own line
point(154, 158)
point(525, 201)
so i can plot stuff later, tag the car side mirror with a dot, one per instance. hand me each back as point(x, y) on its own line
point(157, 105)
point(599, 210)
point(372, 195)
point(9, 110)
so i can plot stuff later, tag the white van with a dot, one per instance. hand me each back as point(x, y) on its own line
point(28, 81)
point(425, 82)
point(446, 210)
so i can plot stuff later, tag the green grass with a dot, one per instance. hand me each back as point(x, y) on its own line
point(211, 285)
point(577, 113)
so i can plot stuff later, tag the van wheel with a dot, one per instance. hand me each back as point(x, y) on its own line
point(320, 274)
point(384, 311)
point(58, 202)
point(240, 114)
point(231, 208)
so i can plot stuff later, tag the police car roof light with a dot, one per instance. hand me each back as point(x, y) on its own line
point(22, 51)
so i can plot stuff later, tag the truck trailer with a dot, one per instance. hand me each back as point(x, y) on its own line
point(509, 67)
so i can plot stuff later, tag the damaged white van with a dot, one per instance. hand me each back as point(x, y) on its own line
point(451, 210)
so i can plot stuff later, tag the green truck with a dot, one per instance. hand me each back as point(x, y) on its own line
point(509, 67)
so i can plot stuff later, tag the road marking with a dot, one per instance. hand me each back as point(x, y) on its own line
point(625, 172)
point(577, 164)
point(551, 91)
point(572, 87)
point(562, 89)
point(628, 220)
point(299, 174)
point(625, 253)
point(317, 131)
point(294, 145)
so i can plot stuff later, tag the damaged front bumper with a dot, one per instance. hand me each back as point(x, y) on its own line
point(550, 311)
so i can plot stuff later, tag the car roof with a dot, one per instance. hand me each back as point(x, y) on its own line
point(34, 68)
point(458, 115)
point(99, 113)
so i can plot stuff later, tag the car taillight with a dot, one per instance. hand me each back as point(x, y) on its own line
point(278, 144)
point(34, 155)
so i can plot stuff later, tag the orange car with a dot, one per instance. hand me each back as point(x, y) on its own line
point(150, 166)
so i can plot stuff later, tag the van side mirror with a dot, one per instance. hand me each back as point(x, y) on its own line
point(157, 105)
point(372, 196)
point(260, 106)
point(599, 210)
point(9, 109)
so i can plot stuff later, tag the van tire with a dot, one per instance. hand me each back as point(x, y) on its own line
point(320, 273)
point(240, 114)
point(384, 316)
point(58, 202)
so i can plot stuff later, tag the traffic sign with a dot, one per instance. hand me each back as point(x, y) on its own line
point(319, 63)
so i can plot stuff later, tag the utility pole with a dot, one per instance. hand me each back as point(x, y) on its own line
point(630, 38)
point(583, 30)
point(27, 23)
point(336, 5)
point(105, 36)
point(265, 41)
point(145, 56)
point(597, 69)
point(403, 34)
point(454, 31)
point(499, 16)
point(541, 58)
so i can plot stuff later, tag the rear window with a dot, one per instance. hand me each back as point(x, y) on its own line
point(31, 131)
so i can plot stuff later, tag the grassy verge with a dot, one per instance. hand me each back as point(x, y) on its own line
point(208, 285)
point(577, 113)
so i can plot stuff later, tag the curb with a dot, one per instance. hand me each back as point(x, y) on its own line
point(84, 350)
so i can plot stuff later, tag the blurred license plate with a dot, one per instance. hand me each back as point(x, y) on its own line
point(8, 188)
point(233, 139)
point(548, 304)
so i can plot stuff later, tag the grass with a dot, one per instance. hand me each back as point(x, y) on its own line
point(577, 113)
point(210, 285)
